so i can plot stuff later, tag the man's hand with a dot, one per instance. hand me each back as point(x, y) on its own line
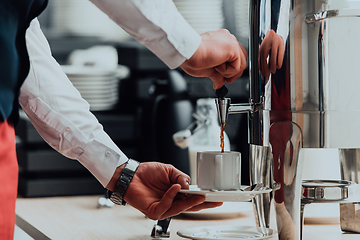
point(154, 191)
point(219, 57)
point(271, 54)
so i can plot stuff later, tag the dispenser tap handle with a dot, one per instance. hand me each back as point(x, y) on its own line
point(221, 92)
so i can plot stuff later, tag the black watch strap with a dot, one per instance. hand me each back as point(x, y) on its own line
point(117, 196)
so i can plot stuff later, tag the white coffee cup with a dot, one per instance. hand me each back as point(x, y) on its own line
point(217, 170)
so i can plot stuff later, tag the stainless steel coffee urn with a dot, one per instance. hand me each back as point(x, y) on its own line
point(304, 74)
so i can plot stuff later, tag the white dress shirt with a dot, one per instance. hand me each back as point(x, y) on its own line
point(55, 107)
point(157, 24)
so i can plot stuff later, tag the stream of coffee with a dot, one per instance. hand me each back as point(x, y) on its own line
point(222, 127)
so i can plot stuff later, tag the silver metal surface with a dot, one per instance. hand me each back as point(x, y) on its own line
point(254, 187)
point(222, 106)
point(349, 215)
point(240, 108)
point(325, 190)
point(350, 164)
point(260, 172)
point(346, 193)
point(321, 16)
point(225, 232)
point(350, 170)
point(161, 229)
point(304, 81)
point(315, 83)
point(301, 77)
point(286, 144)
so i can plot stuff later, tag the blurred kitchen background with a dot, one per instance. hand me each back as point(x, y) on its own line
point(137, 99)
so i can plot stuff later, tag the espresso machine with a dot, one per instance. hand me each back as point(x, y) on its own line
point(304, 57)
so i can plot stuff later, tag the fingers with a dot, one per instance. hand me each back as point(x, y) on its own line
point(184, 181)
point(235, 65)
point(243, 58)
point(263, 55)
point(169, 207)
point(273, 59)
point(231, 80)
point(263, 65)
point(183, 205)
point(226, 69)
point(219, 57)
point(277, 54)
point(176, 176)
point(229, 69)
point(244, 51)
point(204, 206)
point(281, 53)
point(218, 79)
point(271, 54)
point(226, 72)
point(165, 204)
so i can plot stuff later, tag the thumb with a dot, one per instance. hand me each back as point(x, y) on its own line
point(218, 79)
point(167, 200)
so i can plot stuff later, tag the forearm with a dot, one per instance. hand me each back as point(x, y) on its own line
point(157, 24)
point(61, 116)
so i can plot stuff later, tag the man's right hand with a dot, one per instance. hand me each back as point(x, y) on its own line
point(154, 191)
point(219, 57)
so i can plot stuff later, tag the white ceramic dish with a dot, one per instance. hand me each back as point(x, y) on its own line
point(110, 96)
point(94, 81)
point(92, 100)
point(101, 101)
point(100, 92)
point(225, 196)
point(101, 106)
point(94, 88)
point(227, 232)
point(87, 71)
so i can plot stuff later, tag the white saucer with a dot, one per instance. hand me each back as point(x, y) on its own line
point(225, 196)
point(227, 232)
point(227, 210)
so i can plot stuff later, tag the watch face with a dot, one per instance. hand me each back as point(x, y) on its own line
point(132, 165)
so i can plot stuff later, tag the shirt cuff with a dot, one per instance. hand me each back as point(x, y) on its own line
point(107, 160)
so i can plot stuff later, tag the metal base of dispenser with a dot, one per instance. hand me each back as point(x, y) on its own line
point(346, 193)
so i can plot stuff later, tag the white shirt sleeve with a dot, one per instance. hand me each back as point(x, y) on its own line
point(61, 116)
point(157, 24)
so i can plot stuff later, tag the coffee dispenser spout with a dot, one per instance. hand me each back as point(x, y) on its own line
point(224, 108)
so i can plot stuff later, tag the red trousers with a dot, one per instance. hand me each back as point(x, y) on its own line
point(8, 180)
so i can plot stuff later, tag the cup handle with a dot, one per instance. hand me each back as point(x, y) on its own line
point(218, 171)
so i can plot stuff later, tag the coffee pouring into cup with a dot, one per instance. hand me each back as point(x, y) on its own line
point(218, 170)
point(201, 135)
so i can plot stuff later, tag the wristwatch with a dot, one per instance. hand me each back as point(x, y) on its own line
point(117, 196)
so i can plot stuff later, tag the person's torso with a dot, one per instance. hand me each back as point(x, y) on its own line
point(15, 17)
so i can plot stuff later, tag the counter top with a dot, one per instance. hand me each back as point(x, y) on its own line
point(79, 218)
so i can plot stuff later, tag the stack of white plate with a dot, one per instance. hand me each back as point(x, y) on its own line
point(202, 15)
point(99, 87)
point(242, 25)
